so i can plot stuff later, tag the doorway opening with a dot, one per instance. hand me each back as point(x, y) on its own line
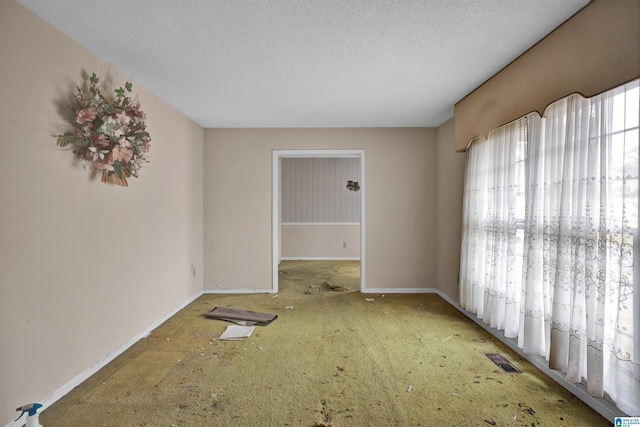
point(277, 192)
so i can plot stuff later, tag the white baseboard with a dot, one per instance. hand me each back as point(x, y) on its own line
point(400, 291)
point(318, 258)
point(59, 393)
point(366, 291)
point(237, 291)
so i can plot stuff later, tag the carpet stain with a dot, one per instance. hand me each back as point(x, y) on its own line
point(326, 417)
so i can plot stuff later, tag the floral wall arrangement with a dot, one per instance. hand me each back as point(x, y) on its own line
point(109, 132)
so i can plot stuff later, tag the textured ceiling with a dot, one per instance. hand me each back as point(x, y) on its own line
point(308, 63)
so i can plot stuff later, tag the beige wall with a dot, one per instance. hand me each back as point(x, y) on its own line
point(322, 241)
point(596, 50)
point(450, 184)
point(400, 203)
point(84, 266)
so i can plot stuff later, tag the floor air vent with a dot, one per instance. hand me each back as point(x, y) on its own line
point(503, 363)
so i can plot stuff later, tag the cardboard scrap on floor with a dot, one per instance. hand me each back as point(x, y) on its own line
point(244, 317)
point(236, 332)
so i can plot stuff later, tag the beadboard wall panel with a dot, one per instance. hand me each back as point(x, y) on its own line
point(314, 190)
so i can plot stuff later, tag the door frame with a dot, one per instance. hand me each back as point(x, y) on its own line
point(276, 190)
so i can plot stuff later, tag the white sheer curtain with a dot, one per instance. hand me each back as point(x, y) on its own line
point(580, 227)
point(491, 269)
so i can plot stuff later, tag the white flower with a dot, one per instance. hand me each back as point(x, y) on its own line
point(109, 126)
point(97, 154)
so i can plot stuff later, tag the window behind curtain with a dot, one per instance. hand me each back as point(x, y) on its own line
point(571, 221)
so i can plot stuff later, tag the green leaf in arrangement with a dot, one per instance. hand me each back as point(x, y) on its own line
point(61, 140)
point(128, 86)
point(117, 168)
point(93, 79)
point(66, 139)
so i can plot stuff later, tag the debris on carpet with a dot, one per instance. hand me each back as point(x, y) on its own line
point(332, 287)
point(245, 317)
point(326, 418)
point(235, 333)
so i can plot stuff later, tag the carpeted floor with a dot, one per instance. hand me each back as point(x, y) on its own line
point(332, 358)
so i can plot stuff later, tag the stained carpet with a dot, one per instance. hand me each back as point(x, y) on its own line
point(334, 357)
